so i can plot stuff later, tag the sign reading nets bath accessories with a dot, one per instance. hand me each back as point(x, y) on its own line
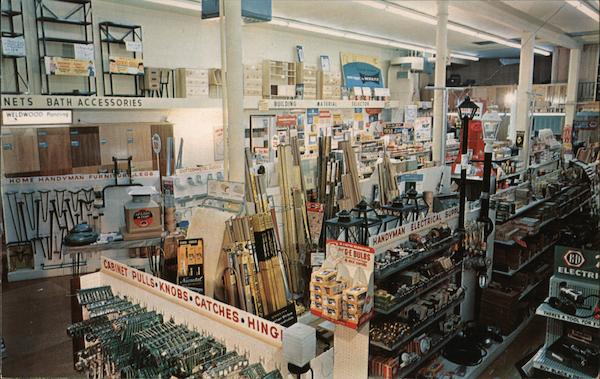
point(13, 47)
point(125, 65)
point(361, 71)
point(69, 66)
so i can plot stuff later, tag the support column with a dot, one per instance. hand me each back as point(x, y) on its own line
point(571, 104)
point(524, 92)
point(555, 60)
point(439, 103)
point(233, 94)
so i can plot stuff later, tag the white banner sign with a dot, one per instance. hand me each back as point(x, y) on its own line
point(134, 46)
point(229, 316)
point(401, 232)
point(37, 117)
point(13, 47)
point(84, 51)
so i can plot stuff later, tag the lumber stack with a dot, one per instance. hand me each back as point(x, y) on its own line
point(388, 188)
point(254, 278)
point(350, 187)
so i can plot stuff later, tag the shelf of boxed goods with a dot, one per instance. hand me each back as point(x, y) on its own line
point(527, 262)
point(412, 259)
point(417, 290)
point(421, 326)
point(541, 362)
point(579, 318)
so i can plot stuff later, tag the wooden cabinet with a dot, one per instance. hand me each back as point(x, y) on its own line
point(139, 146)
point(54, 145)
point(279, 80)
point(20, 156)
point(113, 143)
point(85, 149)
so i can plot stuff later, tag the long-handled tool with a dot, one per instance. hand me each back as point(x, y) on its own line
point(37, 217)
point(59, 196)
point(70, 211)
point(30, 210)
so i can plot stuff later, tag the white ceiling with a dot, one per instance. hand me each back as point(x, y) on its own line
point(555, 15)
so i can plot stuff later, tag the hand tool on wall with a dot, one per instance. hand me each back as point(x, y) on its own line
point(37, 217)
point(52, 243)
point(70, 211)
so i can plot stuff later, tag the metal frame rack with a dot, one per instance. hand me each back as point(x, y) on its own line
point(20, 79)
point(45, 15)
point(106, 40)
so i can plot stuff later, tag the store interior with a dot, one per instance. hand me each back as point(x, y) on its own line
point(300, 189)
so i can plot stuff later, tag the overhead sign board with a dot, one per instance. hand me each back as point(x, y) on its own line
point(36, 117)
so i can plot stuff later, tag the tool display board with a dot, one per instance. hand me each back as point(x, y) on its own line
point(237, 329)
point(31, 221)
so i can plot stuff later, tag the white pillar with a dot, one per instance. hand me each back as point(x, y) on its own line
point(439, 103)
point(233, 128)
point(555, 60)
point(572, 84)
point(524, 90)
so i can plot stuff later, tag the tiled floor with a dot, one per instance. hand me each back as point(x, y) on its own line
point(35, 316)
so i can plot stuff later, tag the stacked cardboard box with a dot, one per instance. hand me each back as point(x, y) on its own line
point(192, 82)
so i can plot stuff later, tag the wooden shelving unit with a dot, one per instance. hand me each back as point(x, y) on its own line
point(279, 80)
point(307, 77)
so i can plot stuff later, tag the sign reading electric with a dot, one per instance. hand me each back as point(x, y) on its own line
point(224, 313)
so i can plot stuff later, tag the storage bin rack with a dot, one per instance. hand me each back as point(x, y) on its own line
point(46, 16)
point(19, 63)
point(107, 39)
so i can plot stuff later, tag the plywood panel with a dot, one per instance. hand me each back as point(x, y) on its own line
point(20, 154)
point(139, 146)
point(113, 143)
point(164, 131)
point(54, 145)
point(85, 149)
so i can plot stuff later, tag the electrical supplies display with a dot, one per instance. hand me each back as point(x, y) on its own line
point(392, 333)
point(126, 340)
point(417, 247)
point(572, 347)
point(336, 298)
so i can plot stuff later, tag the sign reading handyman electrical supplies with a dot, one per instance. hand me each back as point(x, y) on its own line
point(227, 315)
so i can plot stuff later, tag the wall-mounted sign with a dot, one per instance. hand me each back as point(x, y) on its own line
point(13, 47)
point(37, 117)
point(69, 66)
point(361, 71)
point(84, 51)
point(520, 138)
point(125, 65)
point(422, 129)
point(133, 46)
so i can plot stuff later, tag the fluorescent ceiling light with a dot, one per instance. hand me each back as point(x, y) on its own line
point(333, 32)
point(586, 9)
point(432, 20)
point(183, 4)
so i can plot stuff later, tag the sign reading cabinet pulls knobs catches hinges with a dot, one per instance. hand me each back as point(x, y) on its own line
point(341, 291)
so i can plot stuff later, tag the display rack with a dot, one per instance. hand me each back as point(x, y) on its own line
point(20, 67)
point(130, 33)
point(80, 17)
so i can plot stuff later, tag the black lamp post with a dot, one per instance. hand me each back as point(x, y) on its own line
point(466, 112)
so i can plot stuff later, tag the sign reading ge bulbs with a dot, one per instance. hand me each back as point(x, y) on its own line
point(230, 316)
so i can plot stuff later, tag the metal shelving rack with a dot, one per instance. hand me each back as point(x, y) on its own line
point(107, 39)
point(46, 16)
point(21, 76)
